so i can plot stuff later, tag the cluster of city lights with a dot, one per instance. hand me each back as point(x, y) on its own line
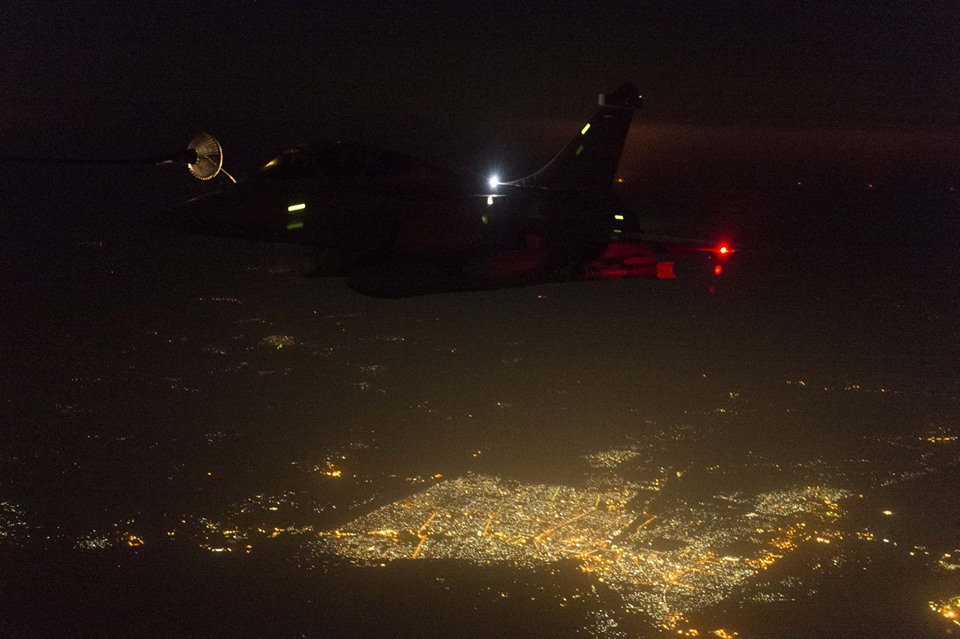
point(948, 609)
point(664, 567)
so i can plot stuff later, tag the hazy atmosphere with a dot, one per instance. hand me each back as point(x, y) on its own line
point(195, 440)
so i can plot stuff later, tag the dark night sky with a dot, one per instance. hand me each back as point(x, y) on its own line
point(141, 387)
point(111, 70)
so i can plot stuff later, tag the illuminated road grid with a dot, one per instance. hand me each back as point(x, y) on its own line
point(663, 566)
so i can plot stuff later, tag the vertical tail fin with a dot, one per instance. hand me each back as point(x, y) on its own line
point(589, 161)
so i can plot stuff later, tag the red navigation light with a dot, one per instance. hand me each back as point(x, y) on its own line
point(717, 270)
point(723, 250)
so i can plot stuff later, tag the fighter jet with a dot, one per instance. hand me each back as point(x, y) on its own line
point(392, 225)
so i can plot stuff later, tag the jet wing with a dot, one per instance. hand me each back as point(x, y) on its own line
point(677, 245)
point(637, 254)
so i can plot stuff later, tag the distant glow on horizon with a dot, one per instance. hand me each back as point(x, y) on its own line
point(585, 128)
point(294, 226)
point(296, 207)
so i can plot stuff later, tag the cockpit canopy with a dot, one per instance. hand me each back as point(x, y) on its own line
point(347, 160)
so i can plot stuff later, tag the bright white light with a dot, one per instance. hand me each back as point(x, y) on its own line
point(493, 181)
